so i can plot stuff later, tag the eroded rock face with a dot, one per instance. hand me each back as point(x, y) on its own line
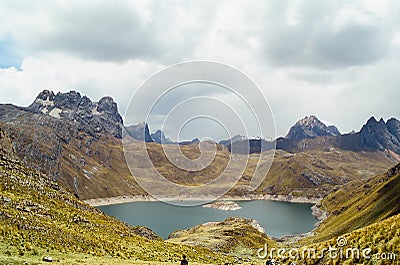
point(378, 135)
point(93, 117)
point(140, 132)
point(310, 127)
point(72, 139)
point(6, 147)
point(159, 137)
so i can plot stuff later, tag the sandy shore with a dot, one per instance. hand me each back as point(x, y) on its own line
point(147, 198)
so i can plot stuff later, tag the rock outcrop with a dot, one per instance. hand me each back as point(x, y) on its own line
point(93, 117)
point(159, 137)
point(6, 148)
point(140, 132)
point(378, 135)
point(226, 236)
point(72, 139)
point(310, 127)
point(224, 205)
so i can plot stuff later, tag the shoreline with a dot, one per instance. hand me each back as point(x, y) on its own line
point(147, 198)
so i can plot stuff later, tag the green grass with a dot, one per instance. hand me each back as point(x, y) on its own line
point(37, 214)
point(381, 238)
point(359, 204)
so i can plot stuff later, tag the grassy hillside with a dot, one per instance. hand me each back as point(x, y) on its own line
point(317, 173)
point(380, 240)
point(39, 218)
point(359, 204)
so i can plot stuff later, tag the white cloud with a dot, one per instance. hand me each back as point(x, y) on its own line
point(337, 60)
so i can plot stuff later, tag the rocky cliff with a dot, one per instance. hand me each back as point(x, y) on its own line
point(72, 139)
point(92, 117)
point(140, 132)
point(310, 127)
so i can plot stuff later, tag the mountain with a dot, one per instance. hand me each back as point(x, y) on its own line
point(75, 141)
point(92, 117)
point(333, 130)
point(140, 132)
point(373, 136)
point(393, 127)
point(193, 141)
point(40, 218)
point(159, 137)
point(311, 134)
point(380, 135)
point(310, 127)
point(316, 173)
point(232, 140)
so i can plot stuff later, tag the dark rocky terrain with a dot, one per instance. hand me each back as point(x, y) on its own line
point(140, 132)
point(159, 137)
point(72, 139)
point(93, 118)
point(310, 127)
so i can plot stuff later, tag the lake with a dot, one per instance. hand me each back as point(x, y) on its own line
point(277, 218)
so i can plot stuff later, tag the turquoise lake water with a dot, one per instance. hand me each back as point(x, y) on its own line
point(277, 218)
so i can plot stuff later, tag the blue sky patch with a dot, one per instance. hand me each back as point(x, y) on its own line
point(8, 55)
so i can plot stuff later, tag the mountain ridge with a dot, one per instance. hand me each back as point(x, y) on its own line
point(310, 134)
point(94, 117)
point(91, 161)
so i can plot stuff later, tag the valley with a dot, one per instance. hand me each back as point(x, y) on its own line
point(64, 153)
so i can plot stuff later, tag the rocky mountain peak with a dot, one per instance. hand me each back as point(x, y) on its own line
point(140, 132)
point(107, 104)
point(46, 95)
point(393, 127)
point(159, 137)
point(310, 121)
point(380, 135)
point(310, 127)
point(95, 117)
point(371, 121)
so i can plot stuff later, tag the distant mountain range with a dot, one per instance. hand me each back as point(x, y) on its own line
point(78, 142)
point(310, 133)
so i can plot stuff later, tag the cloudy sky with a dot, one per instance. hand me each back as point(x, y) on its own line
point(339, 60)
